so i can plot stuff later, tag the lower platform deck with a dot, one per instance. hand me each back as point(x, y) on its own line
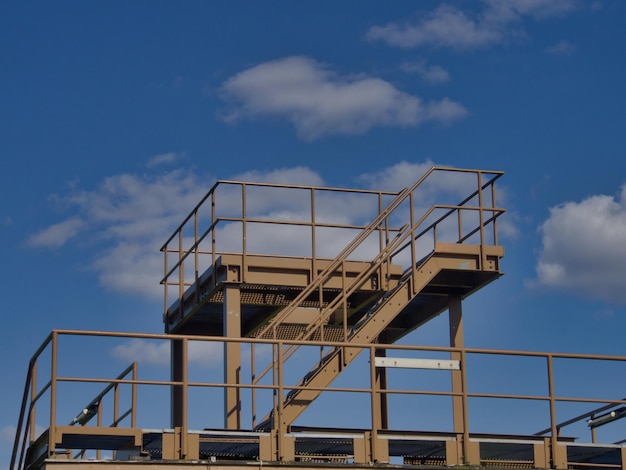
point(332, 447)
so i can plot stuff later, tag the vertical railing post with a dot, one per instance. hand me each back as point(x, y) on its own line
point(481, 220)
point(116, 403)
point(184, 428)
point(278, 423)
point(33, 408)
point(413, 244)
point(165, 279)
point(493, 213)
point(99, 424)
point(375, 405)
point(244, 233)
point(181, 271)
point(465, 408)
point(53, 394)
point(133, 414)
point(213, 238)
point(313, 238)
point(253, 383)
point(196, 254)
point(553, 422)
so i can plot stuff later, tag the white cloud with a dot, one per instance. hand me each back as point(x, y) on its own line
point(293, 176)
point(536, 8)
point(446, 26)
point(434, 74)
point(405, 174)
point(319, 102)
point(164, 159)
point(449, 26)
point(563, 47)
point(126, 219)
point(143, 351)
point(56, 235)
point(584, 248)
point(158, 353)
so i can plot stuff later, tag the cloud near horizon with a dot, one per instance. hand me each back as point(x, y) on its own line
point(319, 102)
point(583, 248)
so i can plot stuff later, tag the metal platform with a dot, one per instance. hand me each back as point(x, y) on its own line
point(306, 318)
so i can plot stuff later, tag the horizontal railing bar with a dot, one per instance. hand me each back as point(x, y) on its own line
point(330, 344)
point(272, 185)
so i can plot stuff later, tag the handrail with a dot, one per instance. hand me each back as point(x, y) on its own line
point(581, 417)
point(31, 404)
point(386, 254)
point(27, 386)
point(393, 349)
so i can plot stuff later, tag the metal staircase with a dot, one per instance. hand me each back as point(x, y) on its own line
point(438, 270)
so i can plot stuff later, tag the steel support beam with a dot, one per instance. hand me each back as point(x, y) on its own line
point(232, 356)
point(176, 374)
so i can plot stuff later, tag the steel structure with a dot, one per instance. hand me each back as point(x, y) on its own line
point(292, 288)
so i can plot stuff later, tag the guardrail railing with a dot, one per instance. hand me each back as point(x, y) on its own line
point(551, 373)
point(229, 216)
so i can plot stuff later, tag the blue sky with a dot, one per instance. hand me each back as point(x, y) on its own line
point(117, 117)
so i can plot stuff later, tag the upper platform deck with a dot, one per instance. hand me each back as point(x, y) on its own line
point(284, 245)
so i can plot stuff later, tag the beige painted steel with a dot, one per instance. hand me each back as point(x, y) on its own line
point(318, 308)
point(232, 357)
point(183, 444)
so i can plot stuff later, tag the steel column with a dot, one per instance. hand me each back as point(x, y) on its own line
point(458, 389)
point(232, 356)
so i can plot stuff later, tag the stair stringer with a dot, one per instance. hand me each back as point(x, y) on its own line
point(366, 332)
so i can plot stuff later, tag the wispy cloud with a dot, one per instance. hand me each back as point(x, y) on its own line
point(318, 101)
point(450, 27)
point(158, 353)
point(164, 159)
point(583, 248)
point(56, 235)
point(563, 47)
point(124, 221)
point(434, 74)
point(299, 175)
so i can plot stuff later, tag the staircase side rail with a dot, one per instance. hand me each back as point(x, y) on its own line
point(366, 232)
point(383, 256)
point(363, 276)
point(25, 430)
point(320, 319)
point(324, 276)
point(583, 417)
point(498, 211)
point(27, 420)
point(391, 251)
